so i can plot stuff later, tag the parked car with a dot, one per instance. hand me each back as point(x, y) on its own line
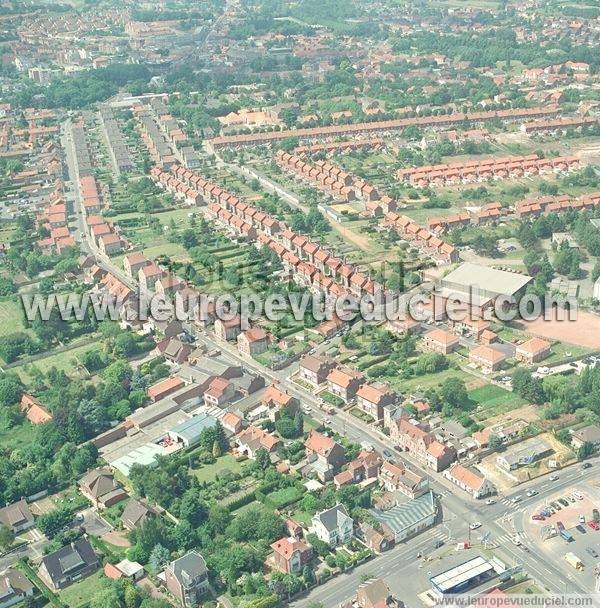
point(564, 502)
point(594, 525)
point(582, 519)
point(387, 454)
point(556, 505)
point(592, 552)
point(578, 495)
point(538, 517)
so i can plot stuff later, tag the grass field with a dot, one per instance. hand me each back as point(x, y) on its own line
point(64, 361)
point(80, 593)
point(10, 316)
point(210, 471)
point(494, 400)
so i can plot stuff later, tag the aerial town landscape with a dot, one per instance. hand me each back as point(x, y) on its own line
point(441, 154)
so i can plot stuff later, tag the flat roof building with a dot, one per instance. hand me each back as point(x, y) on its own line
point(467, 575)
point(188, 432)
point(490, 282)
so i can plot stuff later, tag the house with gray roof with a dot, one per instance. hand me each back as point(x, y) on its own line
point(135, 514)
point(407, 519)
point(187, 578)
point(333, 526)
point(100, 487)
point(14, 587)
point(68, 564)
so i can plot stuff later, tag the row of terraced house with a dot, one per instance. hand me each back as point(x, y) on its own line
point(481, 170)
point(308, 263)
point(424, 240)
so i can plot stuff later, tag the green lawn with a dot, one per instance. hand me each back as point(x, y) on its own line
point(64, 361)
point(80, 593)
point(208, 472)
point(10, 316)
point(494, 400)
point(284, 497)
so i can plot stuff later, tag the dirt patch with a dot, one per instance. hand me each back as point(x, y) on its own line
point(527, 413)
point(583, 331)
point(362, 242)
point(118, 539)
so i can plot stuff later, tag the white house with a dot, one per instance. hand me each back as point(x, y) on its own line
point(333, 526)
point(470, 481)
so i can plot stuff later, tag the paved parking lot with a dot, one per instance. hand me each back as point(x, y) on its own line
point(585, 539)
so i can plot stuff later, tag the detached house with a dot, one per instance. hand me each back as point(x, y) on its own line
point(278, 401)
point(363, 468)
point(100, 487)
point(14, 587)
point(290, 555)
point(72, 562)
point(333, 526)
point(187, 579)
point(17, 516)
point(324, 454)
point(470, 480)
point(253, 438)
point(533, 350)
point(441, 341)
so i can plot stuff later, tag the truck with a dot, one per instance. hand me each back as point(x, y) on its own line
point(566, 535)
point(574, 561)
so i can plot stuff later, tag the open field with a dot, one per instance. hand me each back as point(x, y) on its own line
point(584, 331)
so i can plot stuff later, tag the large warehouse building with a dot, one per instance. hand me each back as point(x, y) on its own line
point(490, 282)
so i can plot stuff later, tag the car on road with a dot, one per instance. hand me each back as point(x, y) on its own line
point(553, 478)
point(516, 499)
point(387, 454)
point(475, 525)
point(438, 543)
point(490, 501)
point(592, 552)
point(516, 540)
point(586, 465)
point(531, 493)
